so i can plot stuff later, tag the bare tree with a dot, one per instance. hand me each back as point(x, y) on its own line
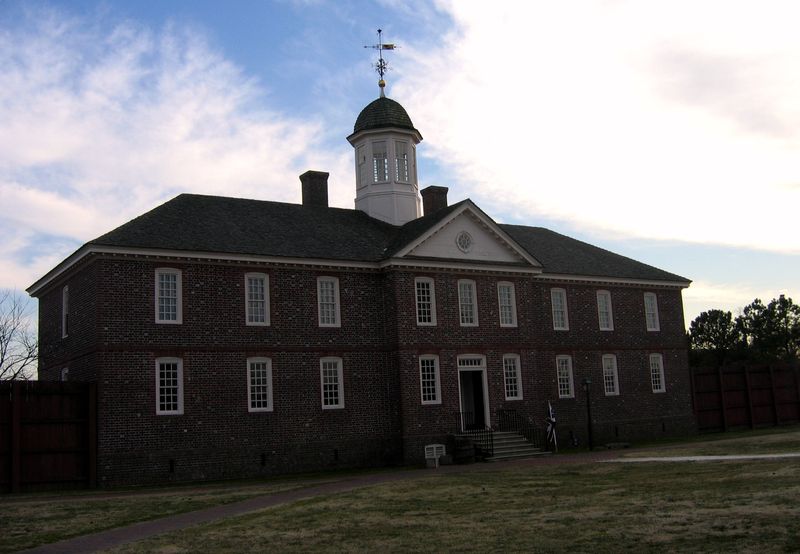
point(19, 350)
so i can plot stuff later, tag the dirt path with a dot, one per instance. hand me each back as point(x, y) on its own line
point(720, 458)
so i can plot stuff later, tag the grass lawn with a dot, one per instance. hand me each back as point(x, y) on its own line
point(583, 507)
point(578, 506)
point(775, 440)
point(31, 520)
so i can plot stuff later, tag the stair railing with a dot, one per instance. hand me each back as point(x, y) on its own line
point(511, 420)
point(481, 435)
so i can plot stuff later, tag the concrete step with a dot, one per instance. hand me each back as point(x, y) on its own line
point(518, 456)
point(515, 448)
point(508, 445)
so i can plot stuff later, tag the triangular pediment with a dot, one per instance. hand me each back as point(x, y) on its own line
point(467, 234)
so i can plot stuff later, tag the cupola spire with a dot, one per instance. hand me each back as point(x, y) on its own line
point(385, 142)
point(381, 66)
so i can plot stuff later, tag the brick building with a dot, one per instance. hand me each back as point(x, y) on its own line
point(234, 337)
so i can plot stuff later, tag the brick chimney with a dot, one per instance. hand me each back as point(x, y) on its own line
point(315, 188)
point(433, 199)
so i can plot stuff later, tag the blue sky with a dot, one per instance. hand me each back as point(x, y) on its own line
point(668, 132)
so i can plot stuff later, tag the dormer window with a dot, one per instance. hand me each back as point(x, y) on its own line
point(401, 161)
point(380, 171)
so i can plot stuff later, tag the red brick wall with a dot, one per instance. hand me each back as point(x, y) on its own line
point(635, 413)
point(74, 350)
point(115, 335)
point(216, 436)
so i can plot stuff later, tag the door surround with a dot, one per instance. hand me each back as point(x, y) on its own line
point(473, 363)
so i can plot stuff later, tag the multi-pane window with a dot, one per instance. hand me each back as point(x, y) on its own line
point(657, 373)
point(507, 304)
point(610, 377)
point(429, 379)
point(651, 311)
point(332, 386)
point(401, 161)
point(168, 295)
point(64, 312)
point(259, 384)
point(512, 377)
point(604, 314)
point(328, 301)
point(467, 303)
point(256, 287)
point(558, 299)
point(169, 386)
point(426, 301)
point(380, 171)
point(566, 387)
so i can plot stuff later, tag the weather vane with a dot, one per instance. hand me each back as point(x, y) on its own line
point(381, 67)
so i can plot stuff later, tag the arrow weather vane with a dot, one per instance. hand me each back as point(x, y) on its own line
point(381, 67)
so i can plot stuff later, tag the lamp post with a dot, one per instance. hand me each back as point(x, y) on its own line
point(587, 388)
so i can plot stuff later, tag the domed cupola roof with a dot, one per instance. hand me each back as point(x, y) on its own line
point(381, 114)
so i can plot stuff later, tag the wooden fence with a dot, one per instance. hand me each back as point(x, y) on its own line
point(48, 435)
point(746, 396)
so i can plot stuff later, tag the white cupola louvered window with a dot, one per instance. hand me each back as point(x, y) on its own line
point(401, 161)
point(380, 171)
point(363, 168)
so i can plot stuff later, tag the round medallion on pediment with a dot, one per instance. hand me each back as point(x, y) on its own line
point(464, 241)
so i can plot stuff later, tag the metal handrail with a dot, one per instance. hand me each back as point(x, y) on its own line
point(481, 435)
point(511, 420)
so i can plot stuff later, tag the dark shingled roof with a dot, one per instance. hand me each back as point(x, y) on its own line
point(560, 254)
point(416, 227)
point(383, 113)
point(192, 222)
point(238, 226)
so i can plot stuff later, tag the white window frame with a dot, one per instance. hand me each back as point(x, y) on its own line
point(64, 374)
point(567, 366)
point(250, 363)
point(337, 303)
point(432, 290)
point(437, 380)
point(562, 294)
point(402, 147)
point(605, 296)
point(609, 363)
point(65, 312)
point(339, 382)
point(651, 312)
point(517, 375)
point(512, 307)
point(178, 291)
point(376, 174)
point(657, 370)
point(248, 314)
point(473, 301)
point(179, 362)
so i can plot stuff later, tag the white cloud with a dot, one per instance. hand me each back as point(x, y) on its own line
point(661, 121)
point(100, 121)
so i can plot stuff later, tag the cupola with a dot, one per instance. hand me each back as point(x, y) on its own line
point(385, 143)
